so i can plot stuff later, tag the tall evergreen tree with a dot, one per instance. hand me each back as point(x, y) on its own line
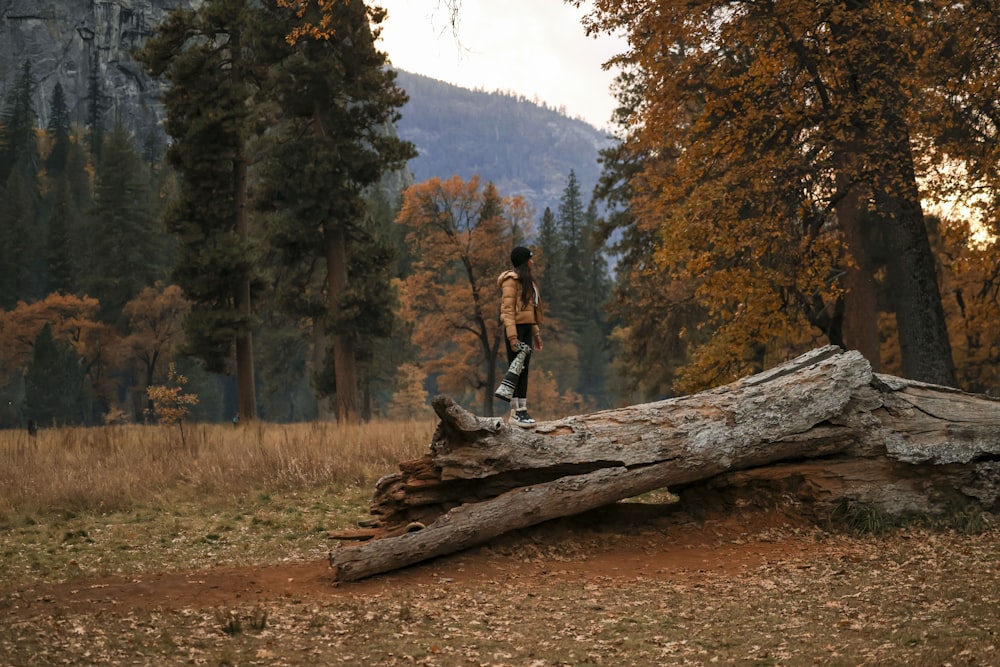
point(337, 100)
point(17, 126)
point(206, 56)
point(594, 332)
point(570, 217)
point(58, 128)
point(551, 262)
point(95, 109)
point(21, 262)
point(127, 246)
point(571, 225)
point(63, 218)
point(373, 302)
point(66, 201)
point(21, 277)
point(576, 285)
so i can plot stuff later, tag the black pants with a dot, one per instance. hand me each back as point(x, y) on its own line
point(524, 335)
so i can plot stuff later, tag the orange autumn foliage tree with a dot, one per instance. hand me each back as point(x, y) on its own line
point(409, 400)
point(318, 21)
point(170, 403)
point(73, 320)
point(156, 328)
point(782, 150)
point(461, 234)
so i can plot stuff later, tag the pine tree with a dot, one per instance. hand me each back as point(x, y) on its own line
point(372, 302)
point(57, 204)
point(127, 246)
point(58, 128)
point(95, 110)
point(551, 263)
point(336, 101)
point(595, 349)
point(63, 218)
point(54, 392)
point(281, 356)
point(570, 219)
point(17, 127)
point(21, 260)
point(21, 268)
point(568, 257)
point(381, 357)
point(65, 203)
point(576, 287)
point(208, 112)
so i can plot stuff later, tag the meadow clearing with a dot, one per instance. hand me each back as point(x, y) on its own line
point(137, 545)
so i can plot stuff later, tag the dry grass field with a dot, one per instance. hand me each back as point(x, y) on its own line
point(134, 546)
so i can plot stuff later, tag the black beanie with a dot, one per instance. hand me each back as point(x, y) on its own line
point(519, 255)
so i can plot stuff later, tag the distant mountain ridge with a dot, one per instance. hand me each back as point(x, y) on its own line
point(523, 148)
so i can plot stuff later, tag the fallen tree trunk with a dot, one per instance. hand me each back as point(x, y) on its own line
point(920, 445)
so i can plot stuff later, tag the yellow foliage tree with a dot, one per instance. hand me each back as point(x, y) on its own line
point(409, 401)
point(773, 159)
point(156, 328)
point(318, 22)
point(170, 404)
point(73, 319)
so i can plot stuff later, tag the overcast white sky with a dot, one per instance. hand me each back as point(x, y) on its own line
point(535, 48)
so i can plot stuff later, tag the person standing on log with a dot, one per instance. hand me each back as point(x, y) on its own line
point(521, 315)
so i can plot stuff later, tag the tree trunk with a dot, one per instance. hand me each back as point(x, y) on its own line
point(923, 332)
point(245, 383)
point(796, 430)
point(344, 362)
point(325, 410)
point(860, 324)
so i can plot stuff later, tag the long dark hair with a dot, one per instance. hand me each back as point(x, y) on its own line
point(527, 283)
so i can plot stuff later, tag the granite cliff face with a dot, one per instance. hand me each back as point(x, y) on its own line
point(67, 41)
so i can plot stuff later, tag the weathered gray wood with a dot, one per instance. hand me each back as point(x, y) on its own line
point(821, 427)
point(470, 525)
point(924, 423)
point(735, 422)
point(473, 459)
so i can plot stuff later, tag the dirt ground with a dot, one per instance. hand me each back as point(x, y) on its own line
point(591, 547)
point(631, 585)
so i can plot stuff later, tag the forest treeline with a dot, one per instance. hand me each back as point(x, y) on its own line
point(770, 191)
point(266, 236)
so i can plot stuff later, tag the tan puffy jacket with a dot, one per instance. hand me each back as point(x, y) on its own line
point(512, 311)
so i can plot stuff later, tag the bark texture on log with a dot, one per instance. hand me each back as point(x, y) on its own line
point(816, 430)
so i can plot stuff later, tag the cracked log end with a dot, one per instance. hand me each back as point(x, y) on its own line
point(459, 422)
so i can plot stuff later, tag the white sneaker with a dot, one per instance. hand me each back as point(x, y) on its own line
point(523, 419)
